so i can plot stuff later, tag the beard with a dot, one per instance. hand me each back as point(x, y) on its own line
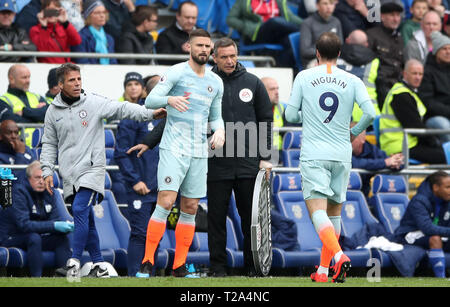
point(198, 60)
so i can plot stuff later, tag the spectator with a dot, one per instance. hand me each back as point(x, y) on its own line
point(266, 22)
point(12, 38)
point(418, 10)
point(404, 109)
point(358, 59)
point(54, 32)
point(369, 157)
point(386, 41)
point(27, 17)
point(53, 88)
point(12, 149)
point(446, 23)
point(437, 6)
point(119, 16)
point(425, 222)
point(174, 39)
point(74, 9)
point(139, 173)
point(33, 222)
point(435, 89)
point(278, 108)
point(136, 38)
point(420, 44)
point(19, 103)
point(150, 82)
point(353, 15)
point(94, 38)
point(319, 22)
point(19, 4)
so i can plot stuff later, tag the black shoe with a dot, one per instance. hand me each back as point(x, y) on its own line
point(182, 271)
point(72, 266)
point(98, 272)
point(145, 270)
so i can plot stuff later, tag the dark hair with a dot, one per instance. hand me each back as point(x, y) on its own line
point(62, 70)
point(199, 33)
point(46, 3)
point(436, 178)
point(328, 45)
point(180, 7)
point(224, 42)
point(142, 13)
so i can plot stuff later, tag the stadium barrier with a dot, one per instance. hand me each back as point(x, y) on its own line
point(267, 60)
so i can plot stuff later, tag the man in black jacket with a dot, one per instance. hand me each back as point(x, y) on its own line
point(246, 102)
point(174, 39)
point(12, 38)
point(435, 90)
point(136, 37)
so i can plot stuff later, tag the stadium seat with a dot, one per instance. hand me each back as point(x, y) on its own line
point(110, 142)
point(390, 199)
point(285, 182)
point(292, 140)
point(235, 257)
point(36, 139)
point(112, 227)
point(291, 157)
point(446, 147)
point(294, 39)
point(4, 257)
point(247, 49)
point(236, 219)
point(376, 129)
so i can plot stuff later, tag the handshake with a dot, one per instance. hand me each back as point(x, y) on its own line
point(64, 227)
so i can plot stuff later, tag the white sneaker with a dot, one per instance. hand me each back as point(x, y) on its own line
point(99, 270)
point(73, 270)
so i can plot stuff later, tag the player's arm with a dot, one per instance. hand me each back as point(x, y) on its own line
point(216, 122)
point(294, 105)
point(159, 96)
point(365, 104)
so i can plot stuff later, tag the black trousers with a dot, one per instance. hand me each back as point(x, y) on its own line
point(219, 194)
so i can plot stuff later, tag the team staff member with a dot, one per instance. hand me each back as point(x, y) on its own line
point(74, 134)
point(245, 100)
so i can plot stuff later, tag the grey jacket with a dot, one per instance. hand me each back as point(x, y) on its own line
point(75, 135)
point(416, 47)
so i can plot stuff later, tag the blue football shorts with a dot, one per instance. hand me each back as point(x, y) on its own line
point(182, 173)
point(325, 179)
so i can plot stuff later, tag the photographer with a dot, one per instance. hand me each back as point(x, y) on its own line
point(54, 32)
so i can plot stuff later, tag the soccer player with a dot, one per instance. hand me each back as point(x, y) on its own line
point(74, 134)
point(193, 97)
point(324, 95)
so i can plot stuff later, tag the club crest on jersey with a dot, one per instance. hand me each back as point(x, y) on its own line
point(162, 79)
point(246, 95)
point(168, 179)
point(82, 114)
point(210, 89)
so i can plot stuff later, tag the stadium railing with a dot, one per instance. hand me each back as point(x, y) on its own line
point(267, 60)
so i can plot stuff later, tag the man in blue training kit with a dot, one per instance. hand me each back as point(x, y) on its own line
point(74, 134)
point(193, 97)
point(322, 98)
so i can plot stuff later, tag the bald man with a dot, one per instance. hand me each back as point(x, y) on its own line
point(18, 103)
point(404, 109)
point(12, 149)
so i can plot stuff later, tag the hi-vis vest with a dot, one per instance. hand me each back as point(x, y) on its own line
point(370, 75)
point(278, 122)
point(17, 105)
point(391, 135)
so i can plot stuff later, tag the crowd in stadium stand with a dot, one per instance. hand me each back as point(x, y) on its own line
point(401, 50)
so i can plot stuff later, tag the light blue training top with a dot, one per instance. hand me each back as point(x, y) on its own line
point(186, 132)
point(325, 95)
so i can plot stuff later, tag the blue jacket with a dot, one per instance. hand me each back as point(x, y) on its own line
point(134, 169)
point(420, 213)
point(31, 212)
point(9, 156)
point(88, 45)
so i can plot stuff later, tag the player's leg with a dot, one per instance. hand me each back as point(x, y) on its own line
point(184, 234)
point(171, 171)
point(192, 189)
point(436, 256)
point(219, 193)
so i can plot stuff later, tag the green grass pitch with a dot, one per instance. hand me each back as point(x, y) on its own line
point(222, 282)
